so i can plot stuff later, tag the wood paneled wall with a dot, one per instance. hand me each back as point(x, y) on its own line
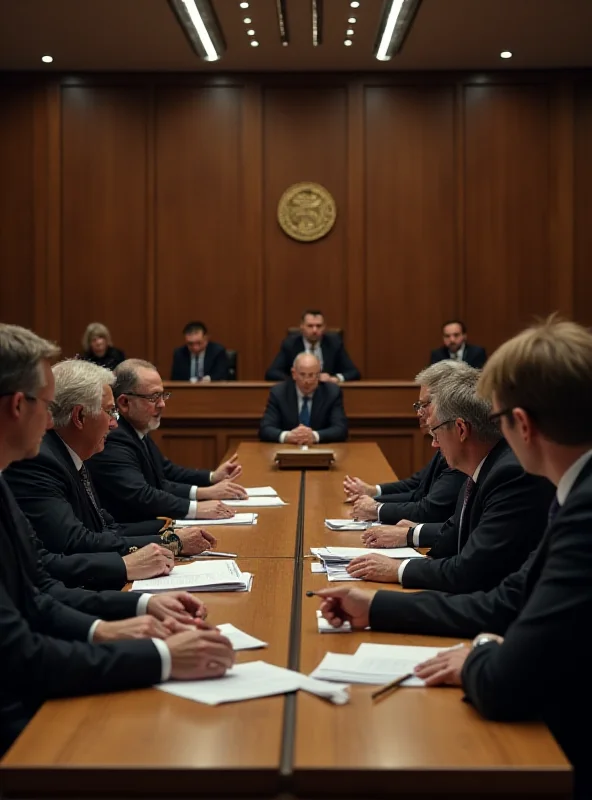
point(146, 201)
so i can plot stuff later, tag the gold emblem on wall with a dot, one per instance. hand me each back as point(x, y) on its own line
point(306, 211)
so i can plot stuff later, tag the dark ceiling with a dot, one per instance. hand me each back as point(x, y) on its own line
point(85, 35)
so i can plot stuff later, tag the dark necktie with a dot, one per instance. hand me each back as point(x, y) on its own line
point(553, 509)
point(305, 412)
point(84, 477)
point(469, 486)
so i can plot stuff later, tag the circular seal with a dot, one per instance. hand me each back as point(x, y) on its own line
point(306, 211)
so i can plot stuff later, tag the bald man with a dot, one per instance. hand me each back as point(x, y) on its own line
point(302, 410)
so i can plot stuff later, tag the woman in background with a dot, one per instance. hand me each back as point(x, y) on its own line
point(98, 347)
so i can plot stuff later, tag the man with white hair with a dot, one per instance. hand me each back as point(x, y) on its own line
point(47, 649)
point(56, 493)
point(429, 495)
point(134, 480)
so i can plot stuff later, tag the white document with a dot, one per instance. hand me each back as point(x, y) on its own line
point(338, 572)
point(216, 554)
point(199, 576)
point(256, 502)
point(317, 567)
point(239, 639)
point(238, 519)
point(248, 681)
point(261, 491)
point(346, 525)
point(325, 626)
point(345, 554)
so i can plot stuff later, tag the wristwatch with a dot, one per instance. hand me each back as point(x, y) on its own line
point(172, 541)
point(481, 639)
point(410, 542)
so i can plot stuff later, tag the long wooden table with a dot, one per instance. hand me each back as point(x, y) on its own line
point(418, 743)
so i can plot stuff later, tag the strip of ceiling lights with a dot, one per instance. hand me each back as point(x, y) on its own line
point(280, 7)
point(395, 23)
point(317, 22)
point(200, 24)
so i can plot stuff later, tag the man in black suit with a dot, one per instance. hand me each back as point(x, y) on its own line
point(199, 360)
point(48, 649)
point(533, 661)
point(456, 347)
point(429, 495)
point(500, 515)
point(134, 480)
point(56, 493)
point(336, 365)
point(302, 410)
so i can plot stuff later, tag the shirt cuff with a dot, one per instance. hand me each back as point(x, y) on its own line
point(378, 507)
point(92, 629)
point(283, 435)
point(402, 570)
point(192, 513)
point(317, 438)
point(142, 607)
point(339, 377)
point(193, 493)
point(165, 658)
point(378, 490)
point(211, 478)
point(416, 531)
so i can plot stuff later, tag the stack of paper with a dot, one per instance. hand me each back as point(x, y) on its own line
point(248, 681)
point(238, 519)
point(255, 502)
point(347, 525)
point(325, 626)
point(343, 555)
point(261, 491)
point(199, 576)
point(375, 663)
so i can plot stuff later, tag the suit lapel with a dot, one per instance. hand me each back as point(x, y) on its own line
point(316, 408)
point(83, 508)
point(292, 405)
point(147, 462)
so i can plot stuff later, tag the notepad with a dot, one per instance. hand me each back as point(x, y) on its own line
point(249, 681)
point(199, 576)
point(324, 626)
point(247, 518)
point(259, 502)
point(239, 639)
point(261, 491)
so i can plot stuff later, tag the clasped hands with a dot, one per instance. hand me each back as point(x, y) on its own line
point(301, 435)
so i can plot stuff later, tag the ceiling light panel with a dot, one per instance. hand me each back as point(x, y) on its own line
point(395, 24)
point(200, 24)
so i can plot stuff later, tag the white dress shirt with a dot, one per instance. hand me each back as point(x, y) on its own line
point(300, 399)
point(197, 368)
point(568, 478)
point(458, 356)
point(418, 528)
point(315, 350)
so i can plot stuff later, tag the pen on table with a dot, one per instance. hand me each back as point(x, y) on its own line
point(390, 686)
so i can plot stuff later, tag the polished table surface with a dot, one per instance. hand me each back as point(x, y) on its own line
point(413, 743)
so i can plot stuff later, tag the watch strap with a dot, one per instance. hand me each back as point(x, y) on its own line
point(410, 537)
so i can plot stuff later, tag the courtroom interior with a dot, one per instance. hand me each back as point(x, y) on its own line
point(295, 388)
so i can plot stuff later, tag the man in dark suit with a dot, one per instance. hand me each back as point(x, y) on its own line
point(55, 491)
point(336, 365)
point(48, 649)
point(456, 347)
point(500, 516)
point(533, 661)
point(302, 410)
point(134, 480)
point(429, 495)
point(199, 360)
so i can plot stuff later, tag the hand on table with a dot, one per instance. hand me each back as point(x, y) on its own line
point(148, 562)
point(180, 606)
point(213, 509)
point(301, 435)
point(374, 567)
point(365, 508)
point(223, 490)
point(356, 487)
point(200, 654)
point(195, 540)
point(344, 604)
point(385, 536)
point(446, 668)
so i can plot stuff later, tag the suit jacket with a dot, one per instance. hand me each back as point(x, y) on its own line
point(543, 611)
point(136, 482)
point(473, 355)
point(44, 651)
point(503, 522)
point(434, 499)
point(49, 490)
point(327, 416)
point(113, 356)
point(215, 363)
point(335, 358)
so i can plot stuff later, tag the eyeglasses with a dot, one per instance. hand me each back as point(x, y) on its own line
point(417, 407)
point(433, 430)
point(497, 417)
point(150, 398)
point(30, 397)
point(112, 412)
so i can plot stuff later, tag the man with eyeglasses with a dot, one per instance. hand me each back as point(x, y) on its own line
point(134, 480)
point(55, 492)
point(429, 495)
point(499, 518)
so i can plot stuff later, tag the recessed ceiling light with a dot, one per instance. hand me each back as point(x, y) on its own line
point(244, 5)
point(47, 59)
point(354, 4)
point(505, 54)
point(254, 43)
point(251, 32)
point(285, 44)
point(352, 21)
point(348, 43)
point(247, 20)
point(349, 32)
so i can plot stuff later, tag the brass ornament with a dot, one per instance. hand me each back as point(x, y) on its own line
point(306, 211)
